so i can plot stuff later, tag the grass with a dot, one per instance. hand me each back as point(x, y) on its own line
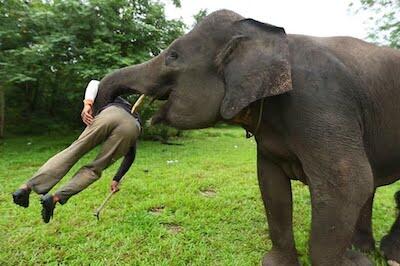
point(203, 208)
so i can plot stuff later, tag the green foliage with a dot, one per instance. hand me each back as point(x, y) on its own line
point(49, 50)
point(177, 3)
point(199, 16)
point(194, 204)
point(385, 19)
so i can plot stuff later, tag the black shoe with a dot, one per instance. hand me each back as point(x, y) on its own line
point(48, 206)
point(21, 197)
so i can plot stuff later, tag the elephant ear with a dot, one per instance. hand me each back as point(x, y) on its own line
point(254, 64)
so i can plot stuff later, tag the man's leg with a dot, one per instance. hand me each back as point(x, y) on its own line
point(117, 145)
point(57, 166)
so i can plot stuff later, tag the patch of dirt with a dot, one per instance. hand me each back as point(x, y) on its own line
point(208, 192)
point(173, 228)
point(156, 210)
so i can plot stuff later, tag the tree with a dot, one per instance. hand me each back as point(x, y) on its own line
point(199, 16)
point(385, 20)
point(49, 50)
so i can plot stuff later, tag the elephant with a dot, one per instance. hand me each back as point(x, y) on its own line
point(323, 110)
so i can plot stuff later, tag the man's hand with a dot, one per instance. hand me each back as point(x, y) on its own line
point(87, 114)
point(114, 186)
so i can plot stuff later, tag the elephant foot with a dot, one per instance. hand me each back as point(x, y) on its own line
point(355, 258)
point(364, 243)
point(390, 247)
point(280, 258)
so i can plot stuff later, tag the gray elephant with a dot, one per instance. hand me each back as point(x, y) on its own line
point(325, 111)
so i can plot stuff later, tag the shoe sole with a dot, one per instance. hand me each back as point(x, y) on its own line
point(21, 200)
point(47, 210)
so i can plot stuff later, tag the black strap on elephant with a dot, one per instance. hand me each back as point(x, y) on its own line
point(248, 133)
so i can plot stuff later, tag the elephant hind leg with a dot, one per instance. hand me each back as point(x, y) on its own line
point(341, 182)
point(338, 195)
point(363, 238)
point(390, 244)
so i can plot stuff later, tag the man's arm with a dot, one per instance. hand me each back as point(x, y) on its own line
point(124, 167)
point(90, 96)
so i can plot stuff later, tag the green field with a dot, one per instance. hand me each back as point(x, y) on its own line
point(202, 209)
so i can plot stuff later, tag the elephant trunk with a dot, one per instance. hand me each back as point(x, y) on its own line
point(132, 79)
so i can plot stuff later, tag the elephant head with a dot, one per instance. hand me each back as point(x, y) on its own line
point(211, 73)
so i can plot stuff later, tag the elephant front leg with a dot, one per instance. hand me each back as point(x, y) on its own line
point(277, 197)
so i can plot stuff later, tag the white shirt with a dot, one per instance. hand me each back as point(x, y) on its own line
point(91, 90)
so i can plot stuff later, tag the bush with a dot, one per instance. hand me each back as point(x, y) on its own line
point(49, 50)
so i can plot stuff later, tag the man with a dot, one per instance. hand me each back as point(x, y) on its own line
point(114, 126)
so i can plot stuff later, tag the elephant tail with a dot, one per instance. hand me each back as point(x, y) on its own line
point(397, 199)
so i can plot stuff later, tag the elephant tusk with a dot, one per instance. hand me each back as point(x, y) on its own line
point(137, 103)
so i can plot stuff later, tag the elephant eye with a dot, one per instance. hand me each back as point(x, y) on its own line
point(173, 55)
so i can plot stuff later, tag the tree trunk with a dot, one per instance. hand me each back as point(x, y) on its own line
point(2, 107)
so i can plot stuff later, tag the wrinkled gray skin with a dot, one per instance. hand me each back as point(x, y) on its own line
point(330, 118)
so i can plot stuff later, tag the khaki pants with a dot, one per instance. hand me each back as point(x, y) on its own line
point(113, 126)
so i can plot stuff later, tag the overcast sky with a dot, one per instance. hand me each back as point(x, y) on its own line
point(310, 17)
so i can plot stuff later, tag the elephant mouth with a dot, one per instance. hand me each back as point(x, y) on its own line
point(164, 95)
